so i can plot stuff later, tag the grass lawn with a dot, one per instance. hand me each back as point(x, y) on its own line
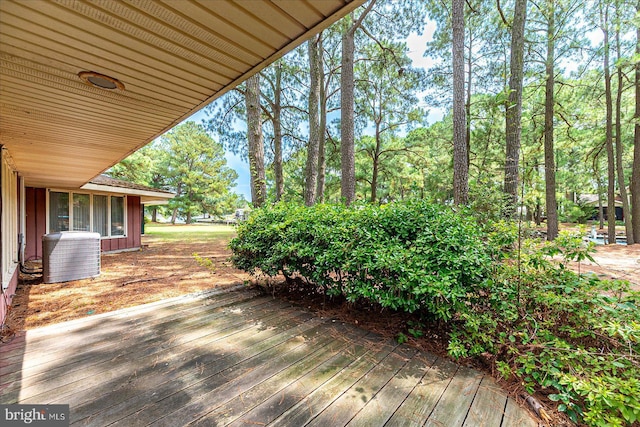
point(210, 233)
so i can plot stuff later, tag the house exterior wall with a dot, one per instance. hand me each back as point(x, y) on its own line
point(7, 295)
point(9, 230)
point(36, 219)
point(619, 213)
point(134, 229)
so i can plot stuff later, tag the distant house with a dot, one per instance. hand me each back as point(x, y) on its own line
point(111, 207)
point(592, 200)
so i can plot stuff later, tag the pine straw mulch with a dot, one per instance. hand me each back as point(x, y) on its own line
point(620, 262)
point(161, 269)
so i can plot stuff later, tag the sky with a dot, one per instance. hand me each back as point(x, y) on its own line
point(416, 44)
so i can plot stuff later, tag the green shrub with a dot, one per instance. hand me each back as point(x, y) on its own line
point(576, 212)
point(575, 337)
point(412, 256)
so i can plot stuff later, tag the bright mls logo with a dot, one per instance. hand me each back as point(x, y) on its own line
point(34, 415)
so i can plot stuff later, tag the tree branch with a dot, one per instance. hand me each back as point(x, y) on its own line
point(504, 19)
point(471, 8)
point(358, 23)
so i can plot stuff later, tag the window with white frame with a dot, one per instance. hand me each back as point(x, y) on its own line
point(71, 211)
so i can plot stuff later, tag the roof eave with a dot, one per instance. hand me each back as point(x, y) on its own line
point(149, 195)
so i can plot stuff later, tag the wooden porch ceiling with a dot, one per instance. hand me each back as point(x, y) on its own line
point(173, 57)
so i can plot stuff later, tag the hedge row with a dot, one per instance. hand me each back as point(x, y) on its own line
point(406, 256)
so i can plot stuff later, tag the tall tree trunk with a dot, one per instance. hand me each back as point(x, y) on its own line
point(254, 139)
point(621, 179)
point(376, 165)
point(322, 158)
point(611, 167)
point(322, 155)
point(460, 153)
point(154, 214)
point(347, 142)
point(549, 104)
point(174, 214)
point(311, 170)
point(596, 173)
point(374, 180)
point(277, 133)
point(467, 104)
point(514, 108)
point(347, 87)
point(635, 170)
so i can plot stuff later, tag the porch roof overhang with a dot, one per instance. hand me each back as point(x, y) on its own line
point(169, 59)
point(148, 195)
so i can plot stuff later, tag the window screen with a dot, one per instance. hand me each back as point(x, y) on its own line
point(117, 216)
point(81, 212)
point(58, 212)
point(100, 215)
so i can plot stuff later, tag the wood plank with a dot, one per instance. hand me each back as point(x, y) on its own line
point(316, 402)
point(138, 216)
point(232, 358)
point(122, 361)
point(197, 400)
point(342, 410)
point(289, 396)
point(236, 407)
point(116, 330)
point(423, 398)
point(157, 384)
point(454, 404)
point(384, 404)
point(128, 316)
point(515, 416)
point(145, 339)
point(113, 329)
point(488, 406)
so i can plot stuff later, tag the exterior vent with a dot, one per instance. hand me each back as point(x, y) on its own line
point(70, 255)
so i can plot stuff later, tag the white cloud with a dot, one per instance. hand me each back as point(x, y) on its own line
point(417, 44)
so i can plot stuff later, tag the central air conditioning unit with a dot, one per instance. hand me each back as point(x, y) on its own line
point(70, 255)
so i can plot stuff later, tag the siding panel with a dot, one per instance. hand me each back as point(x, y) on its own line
point(35, 221)
point(130, 227)
point(10, 291)
point(133, 219)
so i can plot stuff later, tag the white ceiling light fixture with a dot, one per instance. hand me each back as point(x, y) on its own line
point(101, 81)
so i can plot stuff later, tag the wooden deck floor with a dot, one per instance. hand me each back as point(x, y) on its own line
point(236, 358)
